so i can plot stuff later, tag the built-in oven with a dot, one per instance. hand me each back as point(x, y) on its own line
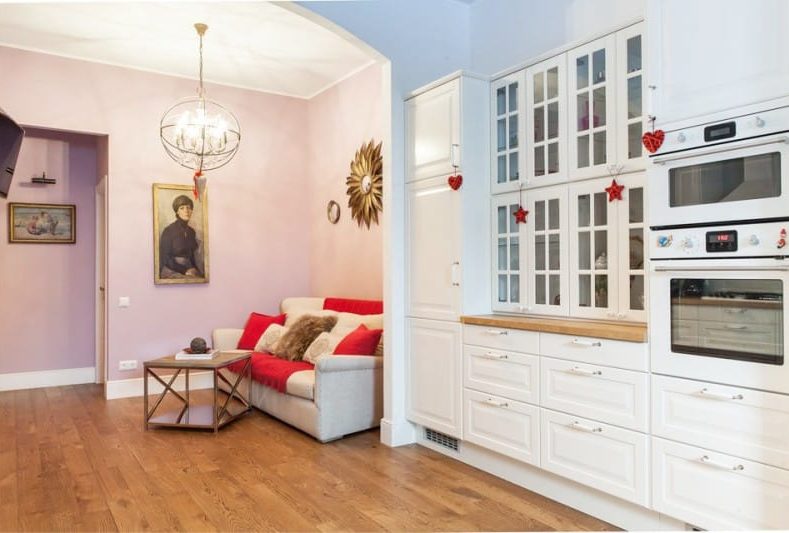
point(729, 172)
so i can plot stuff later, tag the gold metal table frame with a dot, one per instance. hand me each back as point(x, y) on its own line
point(198, 416)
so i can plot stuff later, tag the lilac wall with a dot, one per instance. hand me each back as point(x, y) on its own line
point(47, 310)
point(346, 259)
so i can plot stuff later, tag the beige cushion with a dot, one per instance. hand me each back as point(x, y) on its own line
point(302, 384)
point(347, 322)
point(323, 344)
point(269, 339)
point(290, 305)
point(296, 314)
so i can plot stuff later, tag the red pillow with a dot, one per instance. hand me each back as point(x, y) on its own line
point(256, 325)
point(361, 341)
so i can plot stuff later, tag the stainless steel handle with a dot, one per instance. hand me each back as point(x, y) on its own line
point(497, 332)
point(720, 396)
point(581, 427)
point(661, 160)
point(705, 459)
point(584, 372)
point(719, 268)
point(496, 356)
point(494, 403)
point(579, 342)
point(456, 274)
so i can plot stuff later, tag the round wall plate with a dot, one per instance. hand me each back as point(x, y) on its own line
point(333, 211)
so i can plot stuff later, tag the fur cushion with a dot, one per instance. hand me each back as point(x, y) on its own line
point(295, 341)
point(269, 339)
point(296, 314)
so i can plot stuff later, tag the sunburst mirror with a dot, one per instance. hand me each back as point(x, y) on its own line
point(365, 184)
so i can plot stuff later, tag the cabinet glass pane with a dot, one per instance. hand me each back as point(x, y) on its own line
point(583, 210)
point(502, 254)
point(583, 111)
point(598, 66)
point(513, 224)
point(539, 216)
point(600, 208)
point(502, 288)
point(553, 82)
point(600, 250)
point(553, 214)
point(599, 148)
point(553, 290)
point(515, 288)
point(637, 293)
point(583, 151)
point(553, 252)
point(539, 160)
point(539, 124)
point(637, 249)
point(584, 251)
point(599, 107)
point(501, 173)
point(634, 54)
point(539, 286)
point(513, 96)
point(514, 173)
point(634, 140)
point(501, 135)
point(501, 216)
point(553, 120)
point(585, 290)
point(636, 206)
point(601, 291)
point(582, 71)
point(515, 261)
point(634, 97)
point(501, 104)
point(539, 252)
point(553, 158)
point(539, 88)
point(513, 131)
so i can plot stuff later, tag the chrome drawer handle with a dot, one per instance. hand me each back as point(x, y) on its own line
point(496, 356)
point(719, 396)
point(579, 342)
point(705, 459)
point(496, 332)
point(584, 372)
point(494, 403)
point(581, 427)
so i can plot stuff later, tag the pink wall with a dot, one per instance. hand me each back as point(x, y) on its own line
point(47, 310)
point(346, 259)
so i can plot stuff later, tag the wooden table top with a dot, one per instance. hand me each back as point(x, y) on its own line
point(604, 329)
point(222, 359)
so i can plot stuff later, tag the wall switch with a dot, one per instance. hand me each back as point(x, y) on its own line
point(124, 301)
point(131, 364)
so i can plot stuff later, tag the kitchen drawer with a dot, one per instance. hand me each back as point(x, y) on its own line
point(607, 458)
point(621, 354)
point(502, 338)
point(505, 426)
point(715, 491)
point(611, 395)
point(742, 422)
point(759, 338)
point(509, 374)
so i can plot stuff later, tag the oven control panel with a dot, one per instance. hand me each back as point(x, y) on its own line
point(750, 240)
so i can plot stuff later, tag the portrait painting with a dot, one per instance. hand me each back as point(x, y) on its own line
point(180, 235)
point(42, 223)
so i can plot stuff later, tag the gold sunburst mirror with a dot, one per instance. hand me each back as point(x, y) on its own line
point(365, 184)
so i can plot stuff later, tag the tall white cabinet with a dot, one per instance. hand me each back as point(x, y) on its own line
point(447, 271)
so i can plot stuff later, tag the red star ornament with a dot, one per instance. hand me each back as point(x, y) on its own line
point(614, 191)
point(520, 215)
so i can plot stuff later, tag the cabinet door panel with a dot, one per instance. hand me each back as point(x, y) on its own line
point(508, 132)
point(631, 264)
point(546, 232)
point(509, 255)
point(503, 425)
point(546, 122)
point(432, 129)
point(509, 374)
point(631, 116)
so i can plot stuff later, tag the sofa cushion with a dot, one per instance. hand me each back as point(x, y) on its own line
point(361, 341)
point(302, 384)
point(300, 335)
point(359, 307)
point(323, 344)
point(300, 303)
point(296, 314)
point(269, 339)
point(256, 325)
point(347, 322)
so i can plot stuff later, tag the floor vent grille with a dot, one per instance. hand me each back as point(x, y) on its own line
point(446, 441)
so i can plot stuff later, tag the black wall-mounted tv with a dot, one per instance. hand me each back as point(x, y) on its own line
point(10, 142)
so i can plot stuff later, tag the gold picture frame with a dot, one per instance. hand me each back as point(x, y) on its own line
point(42, 223)
point(180, 235)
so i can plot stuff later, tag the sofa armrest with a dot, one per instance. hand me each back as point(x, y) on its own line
point(345, 363)
point(226, 338)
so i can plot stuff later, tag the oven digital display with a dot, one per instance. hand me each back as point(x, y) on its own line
point(722, 241)
point(720, 131)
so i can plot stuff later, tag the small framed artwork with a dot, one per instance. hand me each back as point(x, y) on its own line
point(180, 235)
point(42, 223)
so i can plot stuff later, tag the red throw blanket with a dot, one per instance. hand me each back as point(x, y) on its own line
point(272, 371)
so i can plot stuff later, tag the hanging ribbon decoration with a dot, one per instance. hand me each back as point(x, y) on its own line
point(520, 214)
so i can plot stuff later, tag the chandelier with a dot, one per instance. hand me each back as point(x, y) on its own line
point(198, 133)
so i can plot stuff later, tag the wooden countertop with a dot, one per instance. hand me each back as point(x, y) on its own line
point(728, 302)
point(604, 329)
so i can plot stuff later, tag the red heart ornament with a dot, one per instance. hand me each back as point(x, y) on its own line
point(455, 181)
point(653, 140)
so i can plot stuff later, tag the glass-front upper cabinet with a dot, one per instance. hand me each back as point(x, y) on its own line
point(630, 90)
point(508, 128)
point(546, 236)
point(546, 119)
point(592, 111)
point(508, 255)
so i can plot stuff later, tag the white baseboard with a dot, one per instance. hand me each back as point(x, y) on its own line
point(131, 388)
point(395, 434)
point(47, 378)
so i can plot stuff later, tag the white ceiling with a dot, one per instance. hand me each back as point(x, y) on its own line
point(253, 45)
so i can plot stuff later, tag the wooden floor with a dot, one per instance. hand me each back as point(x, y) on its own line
point(70, 460)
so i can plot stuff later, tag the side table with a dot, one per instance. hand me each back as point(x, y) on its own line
point(213, 416)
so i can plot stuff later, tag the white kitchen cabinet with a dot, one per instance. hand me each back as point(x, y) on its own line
point(631, 119)
point(710, 58)
point(546, 110)
point(504, 373)
point(432, 124)
point(546, 241)
point(509, 255)
point(508, 128)
point(434, 373)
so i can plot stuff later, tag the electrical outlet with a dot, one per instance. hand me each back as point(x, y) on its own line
point(124, 301)
point(131, 364)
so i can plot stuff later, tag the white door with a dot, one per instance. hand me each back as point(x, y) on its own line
point(509, 287)
point(434, 370)
point(631, 262)
point(433, 132)
point(433, 249)
point(508, 131)
point(630, 90)
point(546, 122)
point(101, 279)
point(546, 241)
